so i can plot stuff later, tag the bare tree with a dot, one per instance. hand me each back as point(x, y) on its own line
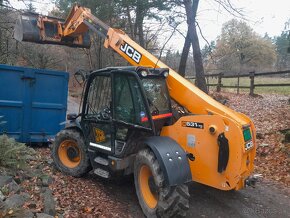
point(191, 9)
point(184, 55)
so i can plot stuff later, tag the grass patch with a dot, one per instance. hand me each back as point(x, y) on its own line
point(284, 90)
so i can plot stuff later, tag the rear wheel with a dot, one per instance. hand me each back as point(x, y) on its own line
point(156, 198)
point(70, 154)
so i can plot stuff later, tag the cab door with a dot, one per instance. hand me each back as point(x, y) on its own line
point(130, 113)
point(97, 114)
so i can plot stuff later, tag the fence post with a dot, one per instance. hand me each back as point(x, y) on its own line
point(207, 81)
point(238, 85)
point(252, 82)
point(219, 85)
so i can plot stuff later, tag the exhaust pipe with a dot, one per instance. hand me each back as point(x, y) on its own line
point(32, 27)
point(252, 180)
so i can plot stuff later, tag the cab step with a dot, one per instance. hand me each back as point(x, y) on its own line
point(102, 161)
point(102, 173)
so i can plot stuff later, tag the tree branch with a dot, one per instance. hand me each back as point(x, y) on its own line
point(165, 45)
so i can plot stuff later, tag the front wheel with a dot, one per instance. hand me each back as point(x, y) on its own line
point(69, 153)
point(157, 199)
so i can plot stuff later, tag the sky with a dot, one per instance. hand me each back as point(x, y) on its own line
point(264, 16)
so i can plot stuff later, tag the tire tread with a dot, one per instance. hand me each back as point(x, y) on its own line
point(173, 201)
point(84, 166)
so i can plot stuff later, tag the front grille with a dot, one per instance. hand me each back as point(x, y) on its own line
point(119, 146)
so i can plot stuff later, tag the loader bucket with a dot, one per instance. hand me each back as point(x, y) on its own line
point(27, 30)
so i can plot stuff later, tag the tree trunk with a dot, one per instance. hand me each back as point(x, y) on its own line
point(130, 21)
point(141, 33)
point(135, 29)
point(184, 55)
point(139, 22)
point(191, 9)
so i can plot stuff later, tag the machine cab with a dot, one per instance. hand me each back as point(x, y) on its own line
point(122, 105)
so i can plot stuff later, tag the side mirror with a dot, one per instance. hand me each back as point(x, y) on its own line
point(80, 76)
point(72, 116)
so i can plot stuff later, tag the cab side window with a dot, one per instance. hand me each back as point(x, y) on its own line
point(99, 96)
point(123, 100)
point(129, 104)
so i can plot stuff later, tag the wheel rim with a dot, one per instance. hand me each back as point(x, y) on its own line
point(69, 153)
point(148, 195)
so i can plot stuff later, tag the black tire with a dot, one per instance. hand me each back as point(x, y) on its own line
point(73, 168)
point(171, 201)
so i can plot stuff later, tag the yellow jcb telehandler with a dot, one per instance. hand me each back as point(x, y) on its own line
point(126, 124)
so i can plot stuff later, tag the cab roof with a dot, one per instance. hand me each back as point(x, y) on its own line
point(151, 71)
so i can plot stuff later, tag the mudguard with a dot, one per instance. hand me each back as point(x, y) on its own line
point(73, 124)
point(172, 159)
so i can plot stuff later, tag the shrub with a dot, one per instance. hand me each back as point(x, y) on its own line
point(12, 154)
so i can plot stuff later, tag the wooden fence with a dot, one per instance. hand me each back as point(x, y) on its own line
point(251, 75)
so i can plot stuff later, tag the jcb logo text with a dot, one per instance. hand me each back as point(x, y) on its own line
point(131, 52)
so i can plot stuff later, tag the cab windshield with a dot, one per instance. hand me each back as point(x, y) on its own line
point(157, 95)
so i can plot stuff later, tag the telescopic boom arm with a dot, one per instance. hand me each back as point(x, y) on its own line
point(80, 21)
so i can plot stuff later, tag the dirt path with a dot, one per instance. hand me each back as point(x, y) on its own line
point(266, 200)
point(91, 196)
point(263, 201)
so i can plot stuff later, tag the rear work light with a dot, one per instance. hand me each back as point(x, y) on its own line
point(248, 139)
point(247, 134)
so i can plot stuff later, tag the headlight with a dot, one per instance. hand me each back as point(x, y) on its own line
point(166, 74)
point(144, 73)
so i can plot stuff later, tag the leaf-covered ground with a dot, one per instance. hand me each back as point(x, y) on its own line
point(92, 197)
point(75, 197)
point(271, 114)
